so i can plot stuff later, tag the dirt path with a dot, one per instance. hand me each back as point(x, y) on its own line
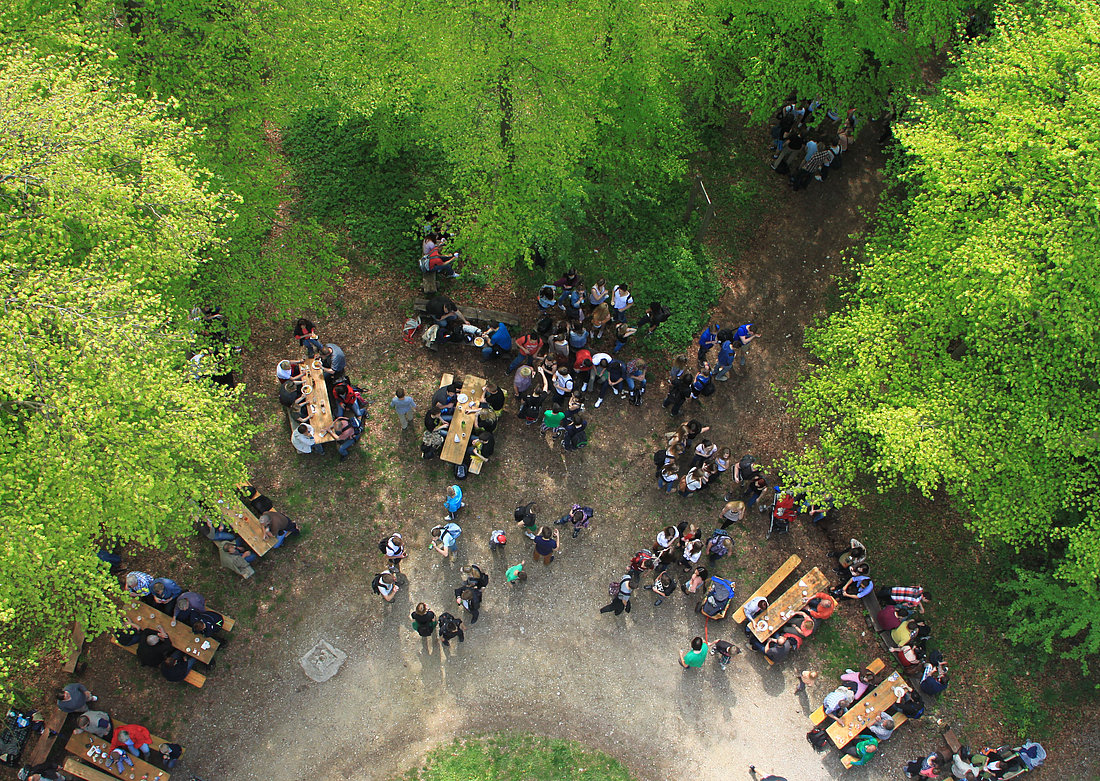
point(541, 658)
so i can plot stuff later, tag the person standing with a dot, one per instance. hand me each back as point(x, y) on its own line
point(453, 502)
point(525, 517)
point(620, 596)
point(449, 628)
point(546, 542)
point(515, 574)
point(423, 620)
point(74, 698)
point(696, 655)
point(470, 600)
point(742, 338)
point(403, 405)
point(621, 300)
point(707, 340)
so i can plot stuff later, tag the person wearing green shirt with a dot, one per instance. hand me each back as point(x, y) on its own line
point(551, 420)
point(696, 656)
point(863, 749)
point(515, 573)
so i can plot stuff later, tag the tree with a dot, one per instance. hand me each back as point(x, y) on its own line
point(966, 356)
point(848, 53)
point(108, 436)
point(534, 117)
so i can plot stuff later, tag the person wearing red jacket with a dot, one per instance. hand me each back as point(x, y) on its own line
point(135, 738)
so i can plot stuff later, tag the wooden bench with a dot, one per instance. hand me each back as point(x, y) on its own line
point(770, 585)
point(54, 724)
point(196, 679)
point(475, 314)
point(429, 282)
point(875, 667)
point(78, 648)
point(849, 761)
point(447, 379)
point(78, 769)
point(951, 739)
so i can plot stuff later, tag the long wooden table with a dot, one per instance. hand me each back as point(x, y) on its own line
point(863, 714)
point(245, 523)
point(145, 617)
point(317, 401)
point(79, 745)
point(770, 585)
point(462, 424)
point(779, 611)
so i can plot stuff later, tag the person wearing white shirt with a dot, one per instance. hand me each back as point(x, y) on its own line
point(303, 440)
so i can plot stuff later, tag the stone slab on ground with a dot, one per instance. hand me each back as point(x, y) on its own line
point(323, 661)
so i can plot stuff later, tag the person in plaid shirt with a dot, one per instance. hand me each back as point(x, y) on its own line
point(911, 597)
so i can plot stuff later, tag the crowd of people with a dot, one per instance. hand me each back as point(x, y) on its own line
point(808, 147)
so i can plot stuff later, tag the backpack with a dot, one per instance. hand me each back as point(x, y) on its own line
point(384, 543)
point(425, 264)
point(817, 737)
point(460, 471)
point(375, 583)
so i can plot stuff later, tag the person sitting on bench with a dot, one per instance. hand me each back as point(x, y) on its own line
point(176, 666)
point(838, 701)
point(135, 738)
point(94, 722)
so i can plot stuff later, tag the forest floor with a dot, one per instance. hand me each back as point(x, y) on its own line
point(541, 659)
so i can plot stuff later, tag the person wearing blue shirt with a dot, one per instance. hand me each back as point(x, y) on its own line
point(500, 342)
point(741, 339)
point(453, 501)
point(726, 354)
point(708, 339)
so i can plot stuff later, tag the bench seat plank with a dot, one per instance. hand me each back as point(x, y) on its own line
point(770, 585)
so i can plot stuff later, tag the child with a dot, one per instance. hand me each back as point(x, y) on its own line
point(170, 753)
point(724, 651)
point(497, 539)
point(453, 502)
point(515, 574)
point(404, 406)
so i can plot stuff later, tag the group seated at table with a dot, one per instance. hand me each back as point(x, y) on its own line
point(437, 423)
point(800, 625)
point(153, 647)
point(345, 400)
point(1003, 762)
point(234, 552)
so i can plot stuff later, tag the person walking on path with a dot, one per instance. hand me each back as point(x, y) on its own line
point(449, 628)
point(579, 516)
point(620, 596)
point(545, 544)
point(525, 517)
point(696, 655)
point(453, 502)
point(445, 539)
point(742, 338)
point(423, 621)
point(515, 574)
point(403, 405)
point(470, 600)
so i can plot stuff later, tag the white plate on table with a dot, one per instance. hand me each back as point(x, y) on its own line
point(463, 398)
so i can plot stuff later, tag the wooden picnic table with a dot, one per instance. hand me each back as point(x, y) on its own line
point(779, 611)
point(80, 745)
point(181, 635)
point(462, 424)
point(317, 401)
point(245, 523)
point(769, 585)
point(863, 714)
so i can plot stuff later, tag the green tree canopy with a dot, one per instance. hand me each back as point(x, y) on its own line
point(967, 356)
point(107, 433)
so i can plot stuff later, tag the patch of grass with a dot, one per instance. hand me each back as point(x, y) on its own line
point(838, 649)
point(526, 757)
